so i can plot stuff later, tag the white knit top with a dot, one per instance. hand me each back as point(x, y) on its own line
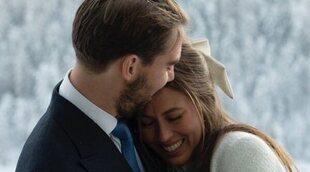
point(244, 152)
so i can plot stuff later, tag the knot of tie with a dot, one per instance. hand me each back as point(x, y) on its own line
point(122, 132)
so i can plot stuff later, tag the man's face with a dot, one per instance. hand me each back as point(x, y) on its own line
point(131, 98)
point(152, 78)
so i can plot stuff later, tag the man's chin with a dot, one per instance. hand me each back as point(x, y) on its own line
point(135, 109)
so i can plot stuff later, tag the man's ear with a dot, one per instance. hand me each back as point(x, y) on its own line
point(130, 67)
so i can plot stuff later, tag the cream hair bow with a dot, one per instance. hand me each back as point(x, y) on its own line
point(217, 69)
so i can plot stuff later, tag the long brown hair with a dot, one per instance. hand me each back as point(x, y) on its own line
point(193, 79)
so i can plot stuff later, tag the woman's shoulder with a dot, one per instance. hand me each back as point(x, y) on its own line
point(233, 137)
point(242, 151)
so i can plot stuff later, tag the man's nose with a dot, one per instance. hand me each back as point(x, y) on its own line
point(171, 75)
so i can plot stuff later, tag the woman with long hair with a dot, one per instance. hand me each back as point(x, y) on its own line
point(187, 128)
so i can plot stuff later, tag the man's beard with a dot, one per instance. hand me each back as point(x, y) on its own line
point(132, 100)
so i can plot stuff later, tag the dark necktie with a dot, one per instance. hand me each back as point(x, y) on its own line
point(122, 132)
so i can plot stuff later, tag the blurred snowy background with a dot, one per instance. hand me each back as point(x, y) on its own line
point(265, 45)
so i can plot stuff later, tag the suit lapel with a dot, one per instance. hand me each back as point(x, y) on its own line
point(96, 149)
point(101, 164)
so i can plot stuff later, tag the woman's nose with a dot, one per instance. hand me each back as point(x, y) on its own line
point(164, 133)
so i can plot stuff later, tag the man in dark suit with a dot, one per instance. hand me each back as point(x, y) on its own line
point(125, 52)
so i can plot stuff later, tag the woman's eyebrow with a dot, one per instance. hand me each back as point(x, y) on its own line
point(172, 110)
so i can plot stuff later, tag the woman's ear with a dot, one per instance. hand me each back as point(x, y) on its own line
point(130, 67)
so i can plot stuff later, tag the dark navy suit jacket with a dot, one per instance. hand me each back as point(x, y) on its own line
point(65, 139)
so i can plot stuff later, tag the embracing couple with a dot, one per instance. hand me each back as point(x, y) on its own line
point(142, 98)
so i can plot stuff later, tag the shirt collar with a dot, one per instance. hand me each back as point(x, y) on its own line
point(104, 120)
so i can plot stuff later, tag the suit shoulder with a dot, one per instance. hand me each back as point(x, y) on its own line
point(48, 146)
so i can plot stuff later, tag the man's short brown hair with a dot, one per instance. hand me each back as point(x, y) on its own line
point(105, 30)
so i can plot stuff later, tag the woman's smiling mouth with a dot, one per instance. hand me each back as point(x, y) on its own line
point(173, 147)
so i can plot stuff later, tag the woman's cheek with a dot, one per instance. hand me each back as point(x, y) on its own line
point(148, 136)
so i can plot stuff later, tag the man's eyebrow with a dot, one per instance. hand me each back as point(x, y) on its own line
point(173, 62)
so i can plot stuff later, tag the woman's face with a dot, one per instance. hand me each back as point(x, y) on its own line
point(171, 126)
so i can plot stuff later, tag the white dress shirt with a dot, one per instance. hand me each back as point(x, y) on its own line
point(104, 120)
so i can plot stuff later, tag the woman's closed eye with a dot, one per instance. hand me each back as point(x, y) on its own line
point(173, 117)
point(147, 122)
